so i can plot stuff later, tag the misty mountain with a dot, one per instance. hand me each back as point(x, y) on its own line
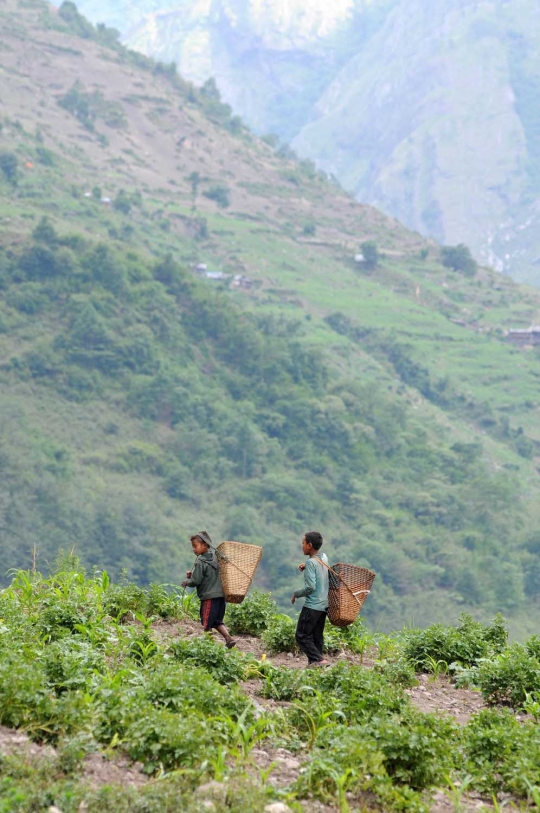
point(426, 110)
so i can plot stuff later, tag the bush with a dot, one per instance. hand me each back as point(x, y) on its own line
point(161, 739)
point(508, 678)
point(370, 252)
point(9, 166)
point(501, 754)
point(459, 258)
point(186, 689)
point(280, 634)
point(362, 693)
point(465, 644)
point(219, 194)
point(284, 684)
point(224, 665)
point(414, 747)
point(253, 616)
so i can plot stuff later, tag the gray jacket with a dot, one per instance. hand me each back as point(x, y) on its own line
point(205, 576)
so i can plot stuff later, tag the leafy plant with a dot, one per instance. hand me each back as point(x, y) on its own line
point(280, 634)
point(253, 616)
point(465, 644)
point(226, 666)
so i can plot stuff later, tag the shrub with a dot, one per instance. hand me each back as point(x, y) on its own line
point(122, 599)
point(71, 664)
point(459, 258)
point(253, 616)
point(500, 753)
point(414, 746)
point(279, 636)
point(9, 166)
point(465, 644)
point(219, 194)
point(284, 684)
point(362, 693)
point(184, 689)
point(224, 665)
point(370, 252)
point(23, 691)
point(509, 677)
point(161, 739)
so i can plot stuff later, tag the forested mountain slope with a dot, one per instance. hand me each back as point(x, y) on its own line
point(138, 402)
point(427, 110)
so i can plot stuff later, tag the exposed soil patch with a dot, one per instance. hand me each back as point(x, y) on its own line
point(441, 696)
point(97, 769)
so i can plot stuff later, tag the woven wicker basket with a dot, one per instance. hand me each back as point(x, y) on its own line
point(349, 586)
point(237, 565)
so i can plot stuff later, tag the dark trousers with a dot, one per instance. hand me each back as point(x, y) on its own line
point(309, 633)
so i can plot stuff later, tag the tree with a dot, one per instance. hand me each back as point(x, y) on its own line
point(122, 203)
point(220, 194)
point(45, 232)
point(194, 180)
point(459, 258)
point(9, 166)
point(370, 253)
point(210, 90)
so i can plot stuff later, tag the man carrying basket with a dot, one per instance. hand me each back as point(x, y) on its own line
point(310, 628)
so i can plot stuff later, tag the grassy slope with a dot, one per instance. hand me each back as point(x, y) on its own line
point(164, 138)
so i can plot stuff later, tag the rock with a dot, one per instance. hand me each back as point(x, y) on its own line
point(277, 807)
point(289, 763)
point(289, 655)
point(54, 809)
point(214, 790)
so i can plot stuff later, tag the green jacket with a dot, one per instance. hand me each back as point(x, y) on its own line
point(315, 584)
point(205, 576)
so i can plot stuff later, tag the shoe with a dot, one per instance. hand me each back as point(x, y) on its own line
point(230, 644)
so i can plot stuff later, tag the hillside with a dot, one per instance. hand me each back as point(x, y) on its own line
point(140, 402)
point(427, 112)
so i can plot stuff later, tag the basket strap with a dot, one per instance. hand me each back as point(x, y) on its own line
point(342, 580)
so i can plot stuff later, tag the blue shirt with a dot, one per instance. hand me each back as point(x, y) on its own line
point(315, 583)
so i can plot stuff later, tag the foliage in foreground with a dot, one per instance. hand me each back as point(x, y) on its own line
point(85, 669)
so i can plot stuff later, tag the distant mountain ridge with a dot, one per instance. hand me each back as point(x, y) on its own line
point(428, 112)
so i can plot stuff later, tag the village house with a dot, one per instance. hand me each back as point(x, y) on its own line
point(529, 337)
point(243, 282)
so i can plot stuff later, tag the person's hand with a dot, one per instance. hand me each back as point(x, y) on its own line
point(189, 574)
point(302, 566)
point(184, 584)
point(293, 599)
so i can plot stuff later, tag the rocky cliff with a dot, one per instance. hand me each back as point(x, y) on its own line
point(426, 110)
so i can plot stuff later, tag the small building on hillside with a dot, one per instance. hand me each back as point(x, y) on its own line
point(529, 337)
point(243, 282)
point(217, 276)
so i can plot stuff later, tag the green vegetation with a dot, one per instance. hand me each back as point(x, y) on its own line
point(119, 330)
point(459, 258)
point(370, 253)
point(104, 671)
point(140, 402)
